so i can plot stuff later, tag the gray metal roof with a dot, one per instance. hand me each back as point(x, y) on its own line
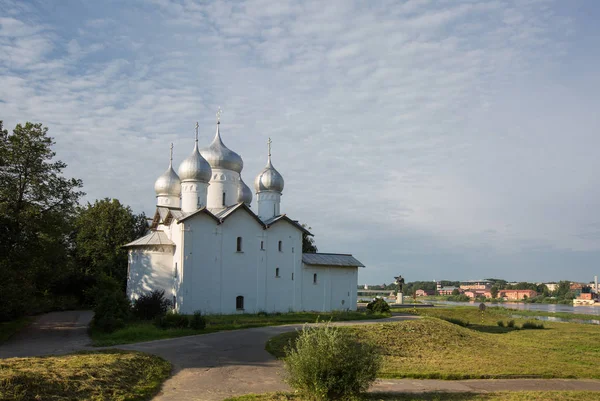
point(330, 259)
point(154, 238)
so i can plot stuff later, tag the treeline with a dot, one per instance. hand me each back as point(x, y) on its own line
point(54, 252)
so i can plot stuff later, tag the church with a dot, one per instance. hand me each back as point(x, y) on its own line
point(211, 252)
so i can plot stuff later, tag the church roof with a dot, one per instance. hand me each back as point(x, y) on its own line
point(283, 217)
point(154, 238)
point(224, 214)
point(330, 259)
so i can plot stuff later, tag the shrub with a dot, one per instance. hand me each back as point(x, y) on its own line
point(172, 320)
point(532, 326)
point(454, 320)
point(262, 313)
point(511, 323)
point(151, 305)
point(197, 321)
point(327, 363)
point(378, 305)
point(500, 323)
point(112, 311)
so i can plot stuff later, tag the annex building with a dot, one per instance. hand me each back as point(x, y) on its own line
point(209, 250)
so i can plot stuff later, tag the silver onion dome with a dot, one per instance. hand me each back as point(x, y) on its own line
point(244, 193)
point(195, 167)
point(220, 156)
point(168, 184)
point(269, 179)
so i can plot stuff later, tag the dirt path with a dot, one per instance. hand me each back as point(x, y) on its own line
point(52, 333)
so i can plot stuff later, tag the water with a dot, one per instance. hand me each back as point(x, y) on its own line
point(558, 319)
point(584, 310)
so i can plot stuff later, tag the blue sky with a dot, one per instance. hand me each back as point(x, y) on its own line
point(433, 139)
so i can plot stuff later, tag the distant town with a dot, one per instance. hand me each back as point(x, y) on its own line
point(489, 290)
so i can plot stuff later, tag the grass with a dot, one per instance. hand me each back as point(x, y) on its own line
point(102, 375)
point(495, 396)
point(146, 331)
point(8, 329)
point(432, 348)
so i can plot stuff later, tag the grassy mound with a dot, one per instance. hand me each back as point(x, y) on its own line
point(103, 375)
point(432, 348)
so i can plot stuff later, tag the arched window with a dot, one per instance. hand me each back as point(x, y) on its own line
point(292, 276)
point(280, 246)
point(315, 278)
point(239, 244)
point(239, 302)
point(277, 272)
point(224, 198)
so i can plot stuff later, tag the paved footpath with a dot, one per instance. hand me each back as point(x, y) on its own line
point(50, 334)
point(220, 365)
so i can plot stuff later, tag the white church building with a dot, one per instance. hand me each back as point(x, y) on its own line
point(209, 251)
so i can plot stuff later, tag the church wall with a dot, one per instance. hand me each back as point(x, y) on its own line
point(333, 285)
point(243, 271)
point(201, 275)
point(282, 293)
point(150, 268)
point(222, 181)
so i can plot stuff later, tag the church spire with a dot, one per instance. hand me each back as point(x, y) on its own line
point(269, 142)
point(171, 156)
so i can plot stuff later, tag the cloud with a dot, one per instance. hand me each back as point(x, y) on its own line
point(436, 137)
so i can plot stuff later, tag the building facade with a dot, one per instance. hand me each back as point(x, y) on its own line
point(209, 251)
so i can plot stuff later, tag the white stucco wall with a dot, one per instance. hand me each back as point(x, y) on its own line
point(150, 268)
point(222, 180)
point(335, 288)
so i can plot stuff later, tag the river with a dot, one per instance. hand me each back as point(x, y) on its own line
point(584, 310)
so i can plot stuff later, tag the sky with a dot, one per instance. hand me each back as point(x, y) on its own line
point(433, 139)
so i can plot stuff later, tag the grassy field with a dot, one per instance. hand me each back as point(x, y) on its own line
point(146, 331)
point(498, 396)
point(8, 329)
point(431, 348)
point(103, 375)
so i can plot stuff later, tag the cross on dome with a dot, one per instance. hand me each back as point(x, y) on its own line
point(219, 112)
point(171, 155)
point(197, 125)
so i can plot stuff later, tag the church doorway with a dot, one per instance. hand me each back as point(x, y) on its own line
point(239, 302)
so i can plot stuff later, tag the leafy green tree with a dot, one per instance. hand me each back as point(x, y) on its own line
point(494, 291)
point(308, 242)
point(37, 205)
point(455, 292)
point(563, 288)
point(102, 229)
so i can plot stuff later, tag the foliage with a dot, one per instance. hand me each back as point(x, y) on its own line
point(8, 329)
point(459, 298)
point(494, 291)
point(378, 305)
point(532, 326)
point(455, 292)
point(308, 242)
point(500, 323)
point(137, 331)
point(102, 229)
point(151, 305)
point(510, 323)
point(197, 321)
point(37, 206)
point(327, 363)
point(172, 320)
point(112, 312)
point(103, 375)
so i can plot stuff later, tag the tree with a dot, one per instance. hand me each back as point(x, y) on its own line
point(455, 292)
point(308, 242)
point(101, 231)
point(37, 205)
point(494, 291)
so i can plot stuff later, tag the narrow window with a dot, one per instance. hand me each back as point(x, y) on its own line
point(239, 302)
point(315, 278)
point(292, 276)
point(174, 302)
point(292, 249)
point(262, 245)
point(175, 271)
point(224, 198)
point(280, 246)
point(277, 272)
point(239, 244)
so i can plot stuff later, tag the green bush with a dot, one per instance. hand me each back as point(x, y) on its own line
point(197, 321)
point(454, 320)
point(532, 326)
point(500, 323)
point(111, 312)
point(511, 323)
point(172, 320)
point(378, 305)
point(151, 305)
point(327, 363)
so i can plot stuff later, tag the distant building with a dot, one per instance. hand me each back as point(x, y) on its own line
point(478, 293)
point(476, 285)
point(447, 290)
point(424, 293)
point(551, 286)
point(516, 295)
